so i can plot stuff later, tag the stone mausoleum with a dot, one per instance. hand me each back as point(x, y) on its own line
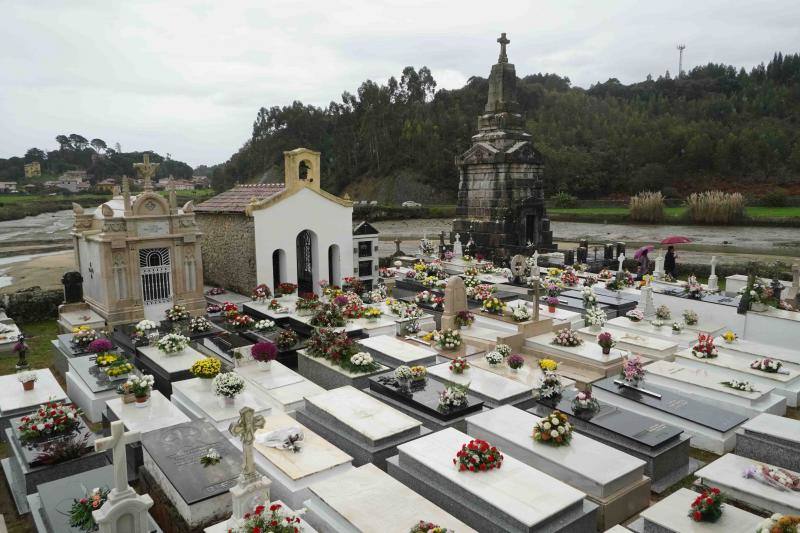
point(139, 255)
point(500, 195)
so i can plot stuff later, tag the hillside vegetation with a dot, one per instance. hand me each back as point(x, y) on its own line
point(717, 126)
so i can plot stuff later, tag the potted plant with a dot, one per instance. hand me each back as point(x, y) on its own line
point(285, 289)
point(206, 369)
point(632, 371)
point(273, 518)
point(227, 386)
point(459, 365)
point(515, 362)
point(264, 353)
point(635, 315)
point(554, 429)
point(141, 387)
point(28, 380)
point(126, 391)
point(552, 302)
point(707, 507)
point(606, 342)
point(494, 358)
point(286, 339)
point(464, 319)
point(690, 318)
point(176, 313)
point(403, 376)
point(261, 293)
point(595, 318)
point(676, 328)
point(172, 343)
point(100, 346)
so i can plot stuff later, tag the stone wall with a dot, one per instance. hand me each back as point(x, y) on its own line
point(229, 253)
point(32, 304)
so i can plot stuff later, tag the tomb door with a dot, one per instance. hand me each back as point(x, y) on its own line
point(156, 271)
point(305, 267)
point(531, 235)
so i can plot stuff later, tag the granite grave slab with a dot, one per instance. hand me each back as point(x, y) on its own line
point(14, 401)
point(284, 388)
point(195, 398)
point(393, 352)
point(493, 389)
point(330, 376)
point(167, 368)
point(770, 439)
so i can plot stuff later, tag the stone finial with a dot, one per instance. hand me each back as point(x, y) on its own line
point(77, 209)
point(116, 191)
point(188, 207)
point(106, 211)
point(126, 195)
point(503, 42)
point(146, 171)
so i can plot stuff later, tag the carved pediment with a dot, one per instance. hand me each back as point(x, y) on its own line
point(479, 153)
point(148, 203)
point(523, 152)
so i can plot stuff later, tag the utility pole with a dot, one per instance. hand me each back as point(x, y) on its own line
point(681, 48)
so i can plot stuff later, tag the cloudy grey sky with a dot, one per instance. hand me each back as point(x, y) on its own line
point(188, 77)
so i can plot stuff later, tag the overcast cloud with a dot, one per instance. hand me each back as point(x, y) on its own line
point(187, 78)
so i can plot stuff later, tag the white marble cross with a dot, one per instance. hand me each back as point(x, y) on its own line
point(245, 428)
point(621, 261)
point(116, 443)
point(714, 265)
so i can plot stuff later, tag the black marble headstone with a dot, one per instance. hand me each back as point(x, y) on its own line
point(177, 451)
point(423, 396)
point(73, 287)
point(675, 404)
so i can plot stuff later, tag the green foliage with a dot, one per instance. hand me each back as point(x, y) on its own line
point(774, 198)
point(647, 206)
point(564, 200)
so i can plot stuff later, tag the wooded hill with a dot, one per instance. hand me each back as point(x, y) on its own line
point(716, 126)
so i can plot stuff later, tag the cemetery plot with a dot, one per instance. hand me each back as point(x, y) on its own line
point(393, 352)
point(492, 388)
point(285, 388)
point(14, 401)
point(195, 398)
point(670, 514)
point(329, 375)
point(771, 439)
point(651, 347)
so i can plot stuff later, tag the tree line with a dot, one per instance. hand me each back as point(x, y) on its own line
point(76, 152)
point(715, 125)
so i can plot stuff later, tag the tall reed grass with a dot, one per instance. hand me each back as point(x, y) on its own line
point(715, 207)
point(647, 206)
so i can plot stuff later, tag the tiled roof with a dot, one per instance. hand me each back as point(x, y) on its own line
point(238, 198)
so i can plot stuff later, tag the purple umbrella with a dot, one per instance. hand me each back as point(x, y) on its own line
point(638, 253)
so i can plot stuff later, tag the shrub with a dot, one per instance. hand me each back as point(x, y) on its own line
point(715, 207)
point(647, 206)
point(564, 200)
point(774, 198)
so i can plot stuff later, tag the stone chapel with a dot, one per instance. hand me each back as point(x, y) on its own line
point(139, 255)
point(500, 195)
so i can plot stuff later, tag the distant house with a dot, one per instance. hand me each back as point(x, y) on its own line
point(8, 186)
point(33, 169)
point(107, 185)
point(180, 185)
point(73, 181)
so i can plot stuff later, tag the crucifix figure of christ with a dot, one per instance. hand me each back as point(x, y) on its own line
point(146, 171)
point(503, 42)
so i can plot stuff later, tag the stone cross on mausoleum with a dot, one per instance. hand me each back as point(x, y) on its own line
point(146, 171)
point(124, 511)
point(503, 42)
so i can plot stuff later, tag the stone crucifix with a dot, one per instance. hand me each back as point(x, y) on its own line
point(116, 443)
point(503, 43)
point(536, 283)
point(621, 258)
point(146, 171)
point(245, 428)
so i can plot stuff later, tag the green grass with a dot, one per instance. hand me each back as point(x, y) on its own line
point(672, 214)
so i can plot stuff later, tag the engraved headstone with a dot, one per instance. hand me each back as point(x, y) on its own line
point(455, 301)
point(457, 247)
point(73, 287)
point(658, 273)
point(646, 301)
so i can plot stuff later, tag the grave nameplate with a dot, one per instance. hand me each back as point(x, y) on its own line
point(675, 404)
point(424, 396)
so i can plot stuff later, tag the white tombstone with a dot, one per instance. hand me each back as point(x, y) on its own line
point(252, 488)
point(658, 273)
point(621, 261)
point(458, 250)
point(124, 511)
point(455, 301)
point(535, 267)
point(713, 284)
point(646, 301)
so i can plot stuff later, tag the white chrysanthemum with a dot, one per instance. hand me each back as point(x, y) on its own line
point(554, 433)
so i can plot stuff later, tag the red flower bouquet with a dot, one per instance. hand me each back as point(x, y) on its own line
point(707, 507)
point(478, 456)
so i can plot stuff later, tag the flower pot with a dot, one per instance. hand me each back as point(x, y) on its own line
point(758, 307)
point(595, 327)
point(606, 350)
point(225, 401)
point(128, 398)
point(551, 308)
point(28, 385)
point(265, 365)
point(207, 383)
point(142, 401)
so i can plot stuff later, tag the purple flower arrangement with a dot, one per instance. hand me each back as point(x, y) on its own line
point(264, 351)
point(101, 346)
point(515, 361)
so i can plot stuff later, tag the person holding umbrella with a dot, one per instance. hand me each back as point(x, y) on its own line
point(670, 266)
point(644, 260)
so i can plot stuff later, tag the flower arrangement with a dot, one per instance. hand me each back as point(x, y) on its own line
point(80, 514)
point(493, 357)
point(213, 309)
point(569, 278)
point(693, 288)
point(27, 377)
point(50, 420)
point(589, 297)
point(264, 325)
point(663, 312)
point(267, 520)
point(377, 295)
point(635, 315)
point(548, 365)
point(606, 342)
point(493, 305)
point(778, 523)
point(744, 386)
point(83, 336)
point(228, 384)
point(353, 284)
point(520, 313)
point(206, 368)
point(464, 319)
point(140, 386)
point(100, 346)
point(676, 327)
point(778, 478)
point(119, 370)
point(448, 339)
point(554, 429)
point(478, 456)
point(200, 325)
point(453, 395)
point(567, 337)
point(176, 313)
point(690, 318)
point(707, 507)
point(419, 373)
point(261, 293)
point(143, 327)
point(371, 313)
point(730, 337)
point(705, 348)
point(585, 402)
point(215, 291)
point(210, 458)
point(363, 360)
point(328, 316)
point(482, 292)
point(275, 305)
point(552, 302)
point(604, 274)
point(633, 370)
point(595, 317)
point(230, 310)
point(656, 322)
point(515, 362)
point(471, 280)
point(549, 387)
point(306, 303)
point(402, 373)
point(172, 343)
point(430, 527)
point(353, 311)
point(242, 321)
point(264, 352)
point(459, 365)
point(285, 289)
point(504, 349)
point(771, 366)
point(553, 272)
point(106, 359)
point(286, 339)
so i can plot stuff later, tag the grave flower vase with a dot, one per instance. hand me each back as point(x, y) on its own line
point(551, 308)
point(227, 401)
point(28, 385)
point(142, 401)
point(128, 398)
point(266, 366)
point(595, 327)
point(606, 350)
